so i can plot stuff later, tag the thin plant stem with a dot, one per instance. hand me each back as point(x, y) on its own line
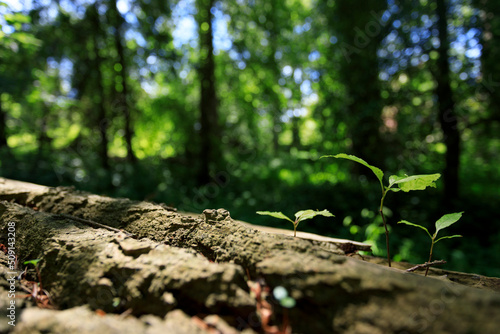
point(39, 277)
point(385, 227)
point(430, 257)
point(295, 229)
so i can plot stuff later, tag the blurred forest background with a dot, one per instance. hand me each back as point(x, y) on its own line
point(230, 103)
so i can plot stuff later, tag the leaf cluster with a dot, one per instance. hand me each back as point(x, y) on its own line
point(299, 216)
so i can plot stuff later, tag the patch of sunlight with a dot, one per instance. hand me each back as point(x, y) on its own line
point(117, 148)
point(24, 142)
point(63, 136)
point(440, 148)
point(168, 151)
point(287, 176)
point(322, 177)
point(309, 133)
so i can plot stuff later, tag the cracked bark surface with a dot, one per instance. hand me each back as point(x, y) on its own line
point(185, 267)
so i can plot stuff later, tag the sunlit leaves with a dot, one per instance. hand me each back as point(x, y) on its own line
point(443, 222)
point(299, 216)
point(308, 214)
point(414, 182)
point(377, 171)
point(447, 220)
point(278, 215)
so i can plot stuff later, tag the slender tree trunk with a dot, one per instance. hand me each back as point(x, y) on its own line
point(360, 37)
point(43, 139)
point(446, 105)
point(102, 121)
point(209, 132)
point(3, 126)
point(490, 66)
point(295, 132)
point(276, 127)
point(123, 94)
point(276, 71)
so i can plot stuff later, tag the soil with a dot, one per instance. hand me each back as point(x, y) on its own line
point(118, 266)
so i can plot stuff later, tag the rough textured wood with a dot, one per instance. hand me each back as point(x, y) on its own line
point(198, 265)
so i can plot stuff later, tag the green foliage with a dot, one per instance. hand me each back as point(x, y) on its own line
point(293, 78)
point(33, 262)
point(414, 182)
point(442, 223)
point(299, 216)
point(405, 183)
point(377, 171)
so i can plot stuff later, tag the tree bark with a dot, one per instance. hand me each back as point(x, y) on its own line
point(446, 113)
point(209, 119)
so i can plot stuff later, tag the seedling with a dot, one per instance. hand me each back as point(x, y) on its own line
point(299, 216)
point(35, 289)
point(405, 183)
point(442, 223)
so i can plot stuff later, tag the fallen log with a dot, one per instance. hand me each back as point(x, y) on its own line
point(199, 265)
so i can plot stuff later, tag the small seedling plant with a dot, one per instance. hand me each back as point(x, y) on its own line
point(442, 223)
point(405, 183)
point(35, 289)
point(299, 216)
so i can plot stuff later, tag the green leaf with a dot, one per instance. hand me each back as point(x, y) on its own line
point(25, 38)
point(116, 301)
point(416, 225)
point(414, 182)
point(17, 18)
point(287, 302)
point(447, 220)
point(449, 237)
point(33, 262)
point(377, 171)
point(275, 215)
point(308, 214)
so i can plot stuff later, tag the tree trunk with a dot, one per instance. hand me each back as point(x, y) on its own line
point(296, 132)
point(275, 69)
point(3, 126)
point(209, 132)
point(123, 91)
point(446, 113)
point(360, 37)
point(99, 101)
point(43, 139)
point(490, 66)
point(276, 124)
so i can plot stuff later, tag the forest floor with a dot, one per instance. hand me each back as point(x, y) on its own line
point(119, 266)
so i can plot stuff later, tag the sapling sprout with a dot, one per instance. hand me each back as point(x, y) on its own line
point(299, 216)
point(442, 223)
point(405, 183)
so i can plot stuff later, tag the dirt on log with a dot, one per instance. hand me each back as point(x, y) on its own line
point(119, 266)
